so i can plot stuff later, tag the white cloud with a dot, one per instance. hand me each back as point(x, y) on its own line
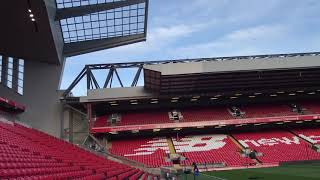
point(258, 32)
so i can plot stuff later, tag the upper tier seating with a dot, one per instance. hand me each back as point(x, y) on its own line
point(209, 114)
point(151, 152)
point(256, 111)
point(206, 114)
point(101, 121)
point(277, 146)
point(311, 107)
point(147, 117)
point(29, 153)
point(311, 135)
point(214, 148)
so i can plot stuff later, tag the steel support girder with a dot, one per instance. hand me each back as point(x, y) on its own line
point(65, 13)
point(136, 77)
point(93, 78)
point(75, 82)
point(138, 63)
point(88, 78)
point(111, 80)
point(115, 70)
point(110, 74)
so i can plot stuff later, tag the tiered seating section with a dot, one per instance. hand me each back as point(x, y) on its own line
point(209, 114)
point(257, 111)
point(274, 146)
point(311, 135)
point(30, 154)
point(101, 121)
point(311, 107)
point(277, 146)
point(210, 149)
point(151, 117)
point(206, 114)
point(149, 151)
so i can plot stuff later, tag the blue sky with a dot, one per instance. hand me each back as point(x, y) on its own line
point(209, 28)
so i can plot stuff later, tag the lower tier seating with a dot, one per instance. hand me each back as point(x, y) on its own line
point(311, 135)
point(213, 148)
point(277, 146)
point(149, 151)
point(271, 146)
point(31, 154)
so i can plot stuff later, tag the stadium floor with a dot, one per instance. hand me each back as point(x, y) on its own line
point(310, 171)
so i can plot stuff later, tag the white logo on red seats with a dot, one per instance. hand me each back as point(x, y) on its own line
point(199, 143)
point(270, 141)
point(151, 147)
point(311, 138)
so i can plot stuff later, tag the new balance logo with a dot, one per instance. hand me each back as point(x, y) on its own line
point(311, 138)
point(151, 147)
point(199, 143)
point(270, 141)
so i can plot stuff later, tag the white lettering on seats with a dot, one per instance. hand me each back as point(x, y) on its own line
point(270, 141)
point(267, 142)
point(311, 138)
point(199, 143)
point(286, 140)
point(244, 142)
point(151, 147)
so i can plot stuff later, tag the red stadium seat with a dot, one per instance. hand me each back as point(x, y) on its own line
point(206, 114)
point(30, 154)
point(312, 135)
point(213, 148)
point(277, 146)
point(151, 152)
point(269, 110)
point(311, 107)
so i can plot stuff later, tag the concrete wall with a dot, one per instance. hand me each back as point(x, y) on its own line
point(75, 126)
point(95, 95)
point(41, 96)
point(41, 83)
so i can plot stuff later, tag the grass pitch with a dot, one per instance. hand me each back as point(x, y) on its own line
point(310, 171)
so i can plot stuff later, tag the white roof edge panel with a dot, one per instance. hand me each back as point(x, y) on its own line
point(236, 65)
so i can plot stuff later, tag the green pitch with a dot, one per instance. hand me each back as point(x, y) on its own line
point(310, 171)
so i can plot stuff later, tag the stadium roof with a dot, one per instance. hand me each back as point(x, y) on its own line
point(311, 60)
point(204, 77)
point(90, 25)
point(49, 30)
